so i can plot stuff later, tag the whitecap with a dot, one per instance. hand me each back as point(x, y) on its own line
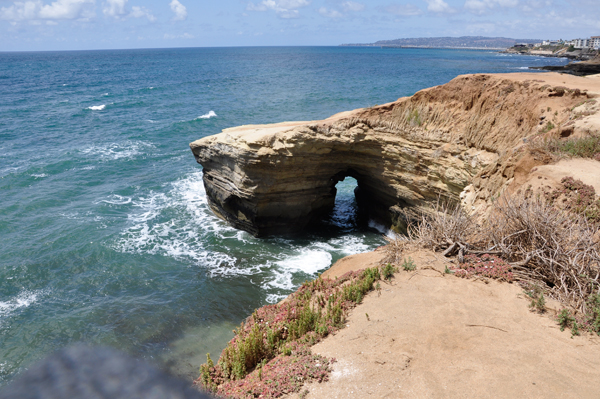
point(308, 261)
point(114, 151)
point(70, 215)
point(23, 300)
point(210, 114)
point(177, 222)
point(182, 237)
point(97, 107)
point(116, 199)
point(39, 176)
point(274, 298)
point(348, 245)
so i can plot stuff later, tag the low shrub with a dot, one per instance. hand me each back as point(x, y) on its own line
point(577, 197)
point(582, 147)
point(593, 320)
point(538, 302)
point(282, 375)
point(409, 265)
point(388, 271)
point(270, 356)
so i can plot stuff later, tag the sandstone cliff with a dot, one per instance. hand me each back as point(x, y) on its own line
point(272, 179)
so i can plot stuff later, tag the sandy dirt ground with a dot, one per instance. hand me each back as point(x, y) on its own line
point(428, 334)
point(549, 176)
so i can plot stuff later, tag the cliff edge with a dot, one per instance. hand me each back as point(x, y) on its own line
point(429, 334)
point(458, 142)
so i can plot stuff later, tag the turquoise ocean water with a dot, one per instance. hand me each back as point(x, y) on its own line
point(105, 235)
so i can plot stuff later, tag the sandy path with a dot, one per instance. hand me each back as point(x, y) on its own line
point(430, 335)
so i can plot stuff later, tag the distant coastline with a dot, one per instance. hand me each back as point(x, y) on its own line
point(427, 47)
point(462, 42)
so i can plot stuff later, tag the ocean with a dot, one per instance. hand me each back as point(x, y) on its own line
point(105, 233)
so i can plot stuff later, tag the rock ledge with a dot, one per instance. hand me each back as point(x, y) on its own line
point(279, 178)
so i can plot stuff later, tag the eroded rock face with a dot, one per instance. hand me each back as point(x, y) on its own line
point(273, 179)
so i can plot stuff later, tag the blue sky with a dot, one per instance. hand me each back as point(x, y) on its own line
point(110, 24)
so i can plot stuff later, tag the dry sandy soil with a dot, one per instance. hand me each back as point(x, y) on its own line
point(433, 335)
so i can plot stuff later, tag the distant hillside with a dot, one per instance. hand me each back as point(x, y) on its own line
point(451, 42)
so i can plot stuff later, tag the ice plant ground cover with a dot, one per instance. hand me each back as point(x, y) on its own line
point(486, 266)
point(270, 353)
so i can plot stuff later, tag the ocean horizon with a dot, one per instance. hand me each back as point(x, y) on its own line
point(106, 235)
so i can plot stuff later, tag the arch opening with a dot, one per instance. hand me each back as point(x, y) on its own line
point(345, 213)
point(347, 210)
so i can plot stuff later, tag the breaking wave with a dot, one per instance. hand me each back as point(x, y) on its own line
point(179, 223)
point(210, 114)
point(97, 107)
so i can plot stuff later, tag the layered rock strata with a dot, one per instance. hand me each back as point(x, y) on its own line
point(405, 155)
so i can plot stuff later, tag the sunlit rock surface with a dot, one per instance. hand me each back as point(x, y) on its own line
point(279, 178)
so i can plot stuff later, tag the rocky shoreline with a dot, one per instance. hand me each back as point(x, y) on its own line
point(583, 62)
point(583, 68)
point(576, 55)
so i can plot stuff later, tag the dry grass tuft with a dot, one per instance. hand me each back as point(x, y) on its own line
point(545, 246)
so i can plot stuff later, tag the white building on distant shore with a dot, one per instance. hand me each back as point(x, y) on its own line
point(551, 42)
point(591, 43)
point(581, 43)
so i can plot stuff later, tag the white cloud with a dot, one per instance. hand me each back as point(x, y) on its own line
point(342, 9)
point(352, 6)
point(114, 8)
point(68, 9)
point(179, 9)
point(531, 5)
point(330, 13)
point(403, 10)
point(482, 6)
point(141, 12)
point(283, 8)
point(439, 6)
point(169, 36)
point(60, 9)
point(117, 9)
point(256, 7)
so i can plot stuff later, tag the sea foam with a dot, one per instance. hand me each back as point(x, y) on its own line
point(113, 151)
point(97, 107)
point(210, 114)
point(116, 199)
point(177, 222)
point(23, 300)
